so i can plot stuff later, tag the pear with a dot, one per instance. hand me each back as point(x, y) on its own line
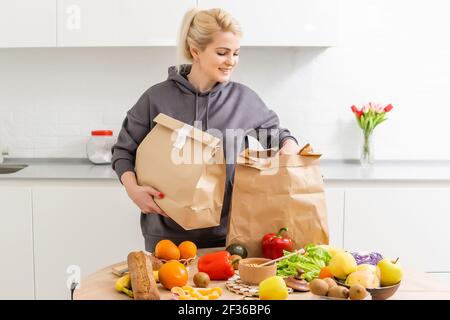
point(332, 251)
point(342, 264)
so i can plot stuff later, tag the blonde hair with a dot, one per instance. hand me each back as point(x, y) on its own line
point(198, 27)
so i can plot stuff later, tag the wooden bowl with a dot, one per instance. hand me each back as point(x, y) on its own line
point(380, 293)
point(253, 275)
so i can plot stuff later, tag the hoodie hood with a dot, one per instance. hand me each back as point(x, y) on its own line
point(180, 79)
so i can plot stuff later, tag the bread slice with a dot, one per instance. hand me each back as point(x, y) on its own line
point(142, 281)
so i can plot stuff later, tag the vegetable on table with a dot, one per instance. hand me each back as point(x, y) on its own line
point(311, 263)
point(237, 249)
point(217, 265)
point(273, 245)
point(367, 258)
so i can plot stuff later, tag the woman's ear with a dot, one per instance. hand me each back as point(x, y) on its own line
point(195, 53)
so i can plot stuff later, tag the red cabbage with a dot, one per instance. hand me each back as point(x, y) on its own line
point(367, 258)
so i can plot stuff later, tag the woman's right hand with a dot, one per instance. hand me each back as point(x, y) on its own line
point(142, 196)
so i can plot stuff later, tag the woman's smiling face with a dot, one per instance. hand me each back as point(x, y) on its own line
point(220, 57)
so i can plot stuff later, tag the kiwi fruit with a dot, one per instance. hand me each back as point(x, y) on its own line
point(338, 292)
point(318, 287)
point(330, 281)
point(201, 279)
point(357, 292)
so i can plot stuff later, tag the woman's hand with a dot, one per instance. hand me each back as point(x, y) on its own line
point(290, 147)
point(142, 196)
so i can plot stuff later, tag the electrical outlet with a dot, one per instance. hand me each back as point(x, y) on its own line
point(4, 151)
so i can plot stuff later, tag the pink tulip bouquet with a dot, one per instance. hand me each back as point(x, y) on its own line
point(368, 117)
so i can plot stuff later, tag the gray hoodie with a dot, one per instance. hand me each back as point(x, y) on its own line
point(228, 105)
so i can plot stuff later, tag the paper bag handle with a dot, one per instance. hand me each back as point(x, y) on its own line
point(308, 151)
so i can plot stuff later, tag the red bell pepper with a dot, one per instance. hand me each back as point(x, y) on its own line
point(217, 265)
point(274, 244)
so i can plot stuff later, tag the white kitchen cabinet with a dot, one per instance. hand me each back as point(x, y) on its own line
point(27, 23)
point(284, 22)
point(335, 213)
point(78, 230)
point(85, 23)
point(410, 223)
point(16, 243)
point(442, 277)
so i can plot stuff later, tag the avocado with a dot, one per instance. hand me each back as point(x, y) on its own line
point(237, 249)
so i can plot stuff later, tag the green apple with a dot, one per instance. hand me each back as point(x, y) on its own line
point(391, 272)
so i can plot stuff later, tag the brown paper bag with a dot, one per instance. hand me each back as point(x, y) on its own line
point(275, 191)
point(187, 166)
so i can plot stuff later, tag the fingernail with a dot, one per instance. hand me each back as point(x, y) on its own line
point(161, 195)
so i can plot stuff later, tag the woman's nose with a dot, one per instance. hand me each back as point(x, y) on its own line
point(230, 62)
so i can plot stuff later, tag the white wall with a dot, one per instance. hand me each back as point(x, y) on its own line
point(389, 52)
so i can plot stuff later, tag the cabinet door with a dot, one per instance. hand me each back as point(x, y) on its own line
point(27, 23)
point(335, 213)
point(16, 243)
point(284, 22)
point(408, 223)
point(78, 230)
point(120, 22)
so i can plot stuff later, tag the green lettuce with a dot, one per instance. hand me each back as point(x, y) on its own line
point(311, 262)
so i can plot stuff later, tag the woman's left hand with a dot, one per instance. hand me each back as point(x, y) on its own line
point(290, 147)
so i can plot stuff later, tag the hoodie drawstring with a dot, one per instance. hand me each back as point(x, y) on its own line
point(196, 107)
point(207, 110)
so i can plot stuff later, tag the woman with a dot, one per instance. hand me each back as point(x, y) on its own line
point(199, 92)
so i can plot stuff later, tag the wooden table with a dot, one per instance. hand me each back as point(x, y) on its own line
point(100, 286)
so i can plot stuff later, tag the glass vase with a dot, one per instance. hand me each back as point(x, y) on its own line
point(367, 152)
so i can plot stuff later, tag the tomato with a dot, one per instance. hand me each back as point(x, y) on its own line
point(173, 274)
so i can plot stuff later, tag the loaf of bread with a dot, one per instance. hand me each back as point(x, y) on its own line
point(143, 283)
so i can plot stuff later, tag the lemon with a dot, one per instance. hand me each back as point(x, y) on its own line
point(273, 288)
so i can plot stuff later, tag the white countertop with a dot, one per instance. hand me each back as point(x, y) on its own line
point(332, 170)
point(59, 168)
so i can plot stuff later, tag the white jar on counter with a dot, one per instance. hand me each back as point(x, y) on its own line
point(99, 146)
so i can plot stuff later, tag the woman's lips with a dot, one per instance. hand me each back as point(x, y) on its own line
point(225, 70)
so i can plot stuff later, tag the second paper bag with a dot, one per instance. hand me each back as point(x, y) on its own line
point(275, 191)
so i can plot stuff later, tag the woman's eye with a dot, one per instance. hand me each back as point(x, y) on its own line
point(236, 54)
point(221, 54)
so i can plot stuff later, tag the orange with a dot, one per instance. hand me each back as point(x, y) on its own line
point(173, 274)
point(177, 290)
point(167, 250)
point(325, 273)
point(188, 249)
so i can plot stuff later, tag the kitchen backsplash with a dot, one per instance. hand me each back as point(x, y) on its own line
point(51, 98)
